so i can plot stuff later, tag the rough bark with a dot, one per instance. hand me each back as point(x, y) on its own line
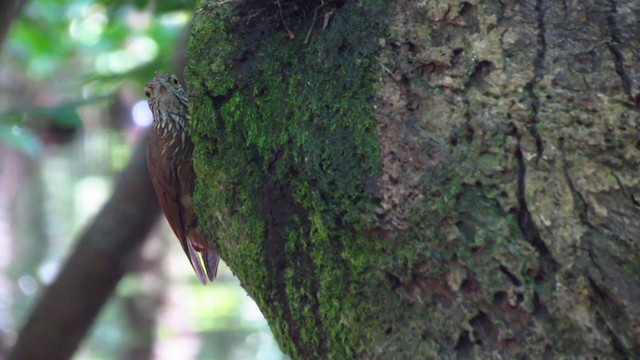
point(425, 179)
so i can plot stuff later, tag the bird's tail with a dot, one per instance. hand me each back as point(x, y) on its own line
point(211, 260)
point(205, 255)
point(196, 263)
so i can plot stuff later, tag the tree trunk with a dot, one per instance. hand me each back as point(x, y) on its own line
point(425, 179)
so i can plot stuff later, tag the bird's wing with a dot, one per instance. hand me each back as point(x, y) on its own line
point(166, 183)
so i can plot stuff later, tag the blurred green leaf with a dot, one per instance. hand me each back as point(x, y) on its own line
point(64, 115)
point(20, 138)
point(160, 6)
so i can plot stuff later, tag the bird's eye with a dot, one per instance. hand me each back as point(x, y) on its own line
point(147, 93)
point(174, 80)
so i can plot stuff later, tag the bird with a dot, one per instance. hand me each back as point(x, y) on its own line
point(170, 166)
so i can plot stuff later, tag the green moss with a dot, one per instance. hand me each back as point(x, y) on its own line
point(283, 153)
point(286, 143)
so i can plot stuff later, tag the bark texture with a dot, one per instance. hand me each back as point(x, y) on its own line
point(425, 179)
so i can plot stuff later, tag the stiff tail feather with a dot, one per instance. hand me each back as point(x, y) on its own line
point(211, 261)
point(194, 259)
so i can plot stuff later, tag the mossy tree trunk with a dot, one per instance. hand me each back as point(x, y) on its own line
point(425, 179)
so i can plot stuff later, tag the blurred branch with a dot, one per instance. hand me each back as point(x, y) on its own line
point(9, 10)
point(68, 307)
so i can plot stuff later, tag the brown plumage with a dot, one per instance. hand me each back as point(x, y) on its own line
point(169, 158)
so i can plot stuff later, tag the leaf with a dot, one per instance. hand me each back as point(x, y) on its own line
point(20, 138)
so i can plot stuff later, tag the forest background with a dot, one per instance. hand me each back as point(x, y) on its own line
point(72, 110)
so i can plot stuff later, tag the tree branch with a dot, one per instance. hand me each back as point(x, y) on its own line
point(68, 307)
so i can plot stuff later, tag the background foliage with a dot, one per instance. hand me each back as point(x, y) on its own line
point(71, 107)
